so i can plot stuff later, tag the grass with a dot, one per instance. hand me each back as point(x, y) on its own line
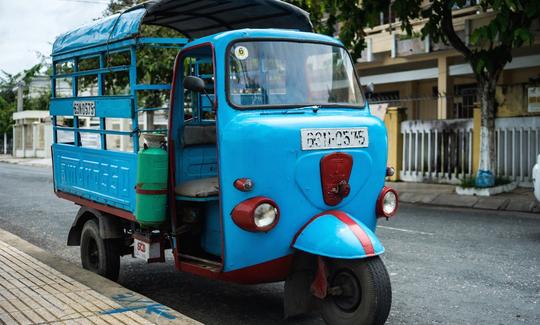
point(470, 182)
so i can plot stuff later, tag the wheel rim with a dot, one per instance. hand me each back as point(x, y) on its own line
point(93, 254)
point(350, 295)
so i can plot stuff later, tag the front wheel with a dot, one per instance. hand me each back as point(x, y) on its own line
point(359, 292)
point(101, 256)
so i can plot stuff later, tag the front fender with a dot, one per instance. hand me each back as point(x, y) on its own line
point(338, 235)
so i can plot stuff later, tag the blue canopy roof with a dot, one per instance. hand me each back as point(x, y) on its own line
point(101, 31)
point(192, 18)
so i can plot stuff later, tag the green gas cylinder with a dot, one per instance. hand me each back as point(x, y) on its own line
point(151, 188)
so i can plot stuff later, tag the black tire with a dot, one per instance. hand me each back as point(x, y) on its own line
point(364, 296)
point(101, 256)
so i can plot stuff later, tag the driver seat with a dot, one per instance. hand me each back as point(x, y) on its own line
point(198, 188)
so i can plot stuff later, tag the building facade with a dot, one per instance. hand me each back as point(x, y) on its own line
point(437, 94)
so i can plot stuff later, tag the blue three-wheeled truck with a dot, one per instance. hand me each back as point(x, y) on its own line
point(255, 160)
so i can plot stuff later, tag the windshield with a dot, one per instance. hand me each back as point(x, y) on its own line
point(291, 74)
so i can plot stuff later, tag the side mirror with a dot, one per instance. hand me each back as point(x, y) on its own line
point(370, 89)
point(194, 84)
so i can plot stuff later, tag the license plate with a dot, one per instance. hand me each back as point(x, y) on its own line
point(334, 138)
point(87, 108)
point(141, 249)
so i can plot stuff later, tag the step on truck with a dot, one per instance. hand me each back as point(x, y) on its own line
point(254, 159)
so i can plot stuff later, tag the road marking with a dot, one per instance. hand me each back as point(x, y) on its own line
point(407, 230)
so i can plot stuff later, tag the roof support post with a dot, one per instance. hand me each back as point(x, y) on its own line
point(133, 91)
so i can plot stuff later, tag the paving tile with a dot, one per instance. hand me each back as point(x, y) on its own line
point(32, 292)
point(520, 205)
point(5, 318)
point(455, 200)
point(492, 203)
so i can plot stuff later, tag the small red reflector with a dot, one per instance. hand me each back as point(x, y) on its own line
point(243, 184)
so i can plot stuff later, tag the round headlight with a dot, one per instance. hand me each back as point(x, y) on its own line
point(389, 203)
point(259, 214)
point(265, 215)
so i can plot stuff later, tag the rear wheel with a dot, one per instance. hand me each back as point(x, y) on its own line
point(359, 292)
point(101, 256)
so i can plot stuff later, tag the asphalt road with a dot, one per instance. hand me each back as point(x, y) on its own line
point(447, 266)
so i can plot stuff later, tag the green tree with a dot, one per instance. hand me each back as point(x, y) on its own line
point(489, 50)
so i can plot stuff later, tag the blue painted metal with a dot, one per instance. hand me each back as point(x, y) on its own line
point(328, 236)
point(106, 106)
point(153, 87)
point(197, 162)
point(211, 236)
point(102, 176)
point(128, 133)
point(93, 72)
point(264, 145)
point(133, 91)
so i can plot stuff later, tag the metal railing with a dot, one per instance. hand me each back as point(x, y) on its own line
point(518, 145)
point(438, 150)
point(441, 150)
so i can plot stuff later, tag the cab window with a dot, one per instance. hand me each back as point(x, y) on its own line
point(199, 108)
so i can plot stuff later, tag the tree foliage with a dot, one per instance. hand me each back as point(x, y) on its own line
point(154, 64)
point(346, 18)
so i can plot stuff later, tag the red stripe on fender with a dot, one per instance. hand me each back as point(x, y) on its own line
point(305, 225)
point(357, 231)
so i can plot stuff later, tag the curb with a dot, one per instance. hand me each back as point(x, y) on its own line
point(470, 202)
point(131, 301)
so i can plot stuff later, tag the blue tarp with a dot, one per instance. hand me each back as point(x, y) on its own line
point(194, 19)
point(112, 28)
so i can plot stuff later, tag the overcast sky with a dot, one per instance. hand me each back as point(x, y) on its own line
point(30, 26)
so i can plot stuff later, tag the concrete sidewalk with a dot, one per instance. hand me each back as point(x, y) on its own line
point(36, 162)
point(519, 200)
point(36, 288)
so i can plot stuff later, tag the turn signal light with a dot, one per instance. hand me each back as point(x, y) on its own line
point(387, 203)
point(257, 214)
point(243, 184)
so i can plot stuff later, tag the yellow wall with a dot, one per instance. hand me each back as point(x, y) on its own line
point(512, 92)
point(417, 97)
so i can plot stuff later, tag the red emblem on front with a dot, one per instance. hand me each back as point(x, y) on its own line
point(335, 173)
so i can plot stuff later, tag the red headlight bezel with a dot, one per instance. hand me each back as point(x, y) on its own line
point(380, 200)
point(243, 214)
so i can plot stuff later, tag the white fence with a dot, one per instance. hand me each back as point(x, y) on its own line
point(441, 150)
point(438, 151)
point(518, 145)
